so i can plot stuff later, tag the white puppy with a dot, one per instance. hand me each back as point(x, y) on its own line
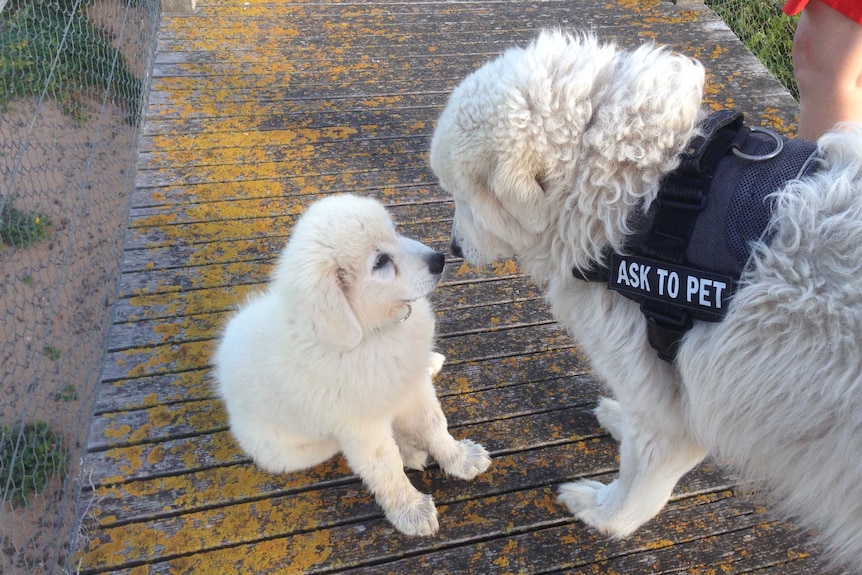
point(337, 356)
point(550, 153)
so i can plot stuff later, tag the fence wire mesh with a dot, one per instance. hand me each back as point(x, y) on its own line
point(765, 30)
point(73, 80)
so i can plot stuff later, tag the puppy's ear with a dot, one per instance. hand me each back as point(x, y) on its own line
point(522, 196)
point(332, 317)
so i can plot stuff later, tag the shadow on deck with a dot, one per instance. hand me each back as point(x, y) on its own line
point(258, 108)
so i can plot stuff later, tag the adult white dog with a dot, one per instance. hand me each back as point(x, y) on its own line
point(337, 356)
point(552, 152)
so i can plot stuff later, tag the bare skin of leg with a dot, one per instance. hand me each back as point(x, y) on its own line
point(827, 62)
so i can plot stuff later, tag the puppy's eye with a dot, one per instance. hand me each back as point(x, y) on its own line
point(381, 261)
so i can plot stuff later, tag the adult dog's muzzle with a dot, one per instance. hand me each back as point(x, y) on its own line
point(456, 249)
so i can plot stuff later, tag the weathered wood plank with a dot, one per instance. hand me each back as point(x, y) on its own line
point(188, 328)
point(486, 519)
point(722, 547)
point(286, 512)
point(298, 158)
point(208, 415)
point(461, 289)
point(235, 230)
point(137, 286)
point(377, 155)
point(386, 183)
point(456, 378)
point(320, 117)
point(185, 356)
point(269, 133)
point(238, 219)
point(225, 114)
point(187, 454)
point(189, 491)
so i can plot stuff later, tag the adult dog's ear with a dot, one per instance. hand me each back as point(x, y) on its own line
point(517, 187)
point(649, 112)
point(331, 315)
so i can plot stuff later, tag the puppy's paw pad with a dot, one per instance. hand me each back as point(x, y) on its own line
point(610, 417)
point(436, 363)
point(419, 519)
point(472, 460)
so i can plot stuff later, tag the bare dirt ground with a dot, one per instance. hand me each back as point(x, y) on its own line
point(56, 297)
point(56, 294)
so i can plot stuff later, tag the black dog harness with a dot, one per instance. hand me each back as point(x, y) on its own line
point(685, 260)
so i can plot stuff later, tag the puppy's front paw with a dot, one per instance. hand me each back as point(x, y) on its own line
point(420, 518)
point(471, 460)
point(436, 363)
point(610, 417)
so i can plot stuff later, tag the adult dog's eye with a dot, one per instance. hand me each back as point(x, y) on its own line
point(381, 261)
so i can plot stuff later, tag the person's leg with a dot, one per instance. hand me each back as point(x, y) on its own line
point(827, 61)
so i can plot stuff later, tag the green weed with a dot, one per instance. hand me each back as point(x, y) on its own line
point(50, 46)
point(67, 394)
point(29, 457)
point(51, 352)
point(22, 229)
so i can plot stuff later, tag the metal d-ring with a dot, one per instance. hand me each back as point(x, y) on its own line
point(406, 315)
point(779, 145)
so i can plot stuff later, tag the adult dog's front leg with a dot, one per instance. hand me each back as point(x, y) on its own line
point(651, 463)
point(373, 455)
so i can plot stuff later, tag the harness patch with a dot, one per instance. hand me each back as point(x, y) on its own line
point(704, 293)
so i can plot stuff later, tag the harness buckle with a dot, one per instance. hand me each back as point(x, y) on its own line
point(682, 204)
point(684, 192)
point(710, 126)
point(665, 328)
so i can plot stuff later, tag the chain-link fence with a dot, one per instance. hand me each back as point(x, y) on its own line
point(765, 30)
point(73, 81)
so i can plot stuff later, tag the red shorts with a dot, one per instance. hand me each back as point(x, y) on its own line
point(850, 8)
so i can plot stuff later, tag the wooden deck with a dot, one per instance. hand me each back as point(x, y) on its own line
point(259, 107)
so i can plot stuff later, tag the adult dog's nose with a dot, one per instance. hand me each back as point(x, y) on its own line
point(456, 249)
point(436, 263)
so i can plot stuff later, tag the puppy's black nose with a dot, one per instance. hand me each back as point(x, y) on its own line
point(456, 249)
point(436, 263)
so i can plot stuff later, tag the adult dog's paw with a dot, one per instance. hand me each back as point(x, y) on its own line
point(581, 498)
point(419, 519)
point(584, 500)
point(472, 459)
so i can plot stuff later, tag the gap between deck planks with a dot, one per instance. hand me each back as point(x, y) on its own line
point(256, 109)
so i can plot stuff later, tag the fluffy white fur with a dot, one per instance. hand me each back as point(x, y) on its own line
point(548, 151)
point(324, 361)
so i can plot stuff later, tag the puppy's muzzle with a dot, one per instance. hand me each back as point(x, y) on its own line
point(436, 263)
point(456, 249)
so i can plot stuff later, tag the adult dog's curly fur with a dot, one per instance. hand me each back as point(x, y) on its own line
point(549, 151)
point(337, 356)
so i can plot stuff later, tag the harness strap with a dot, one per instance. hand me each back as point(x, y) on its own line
point(682, 197)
